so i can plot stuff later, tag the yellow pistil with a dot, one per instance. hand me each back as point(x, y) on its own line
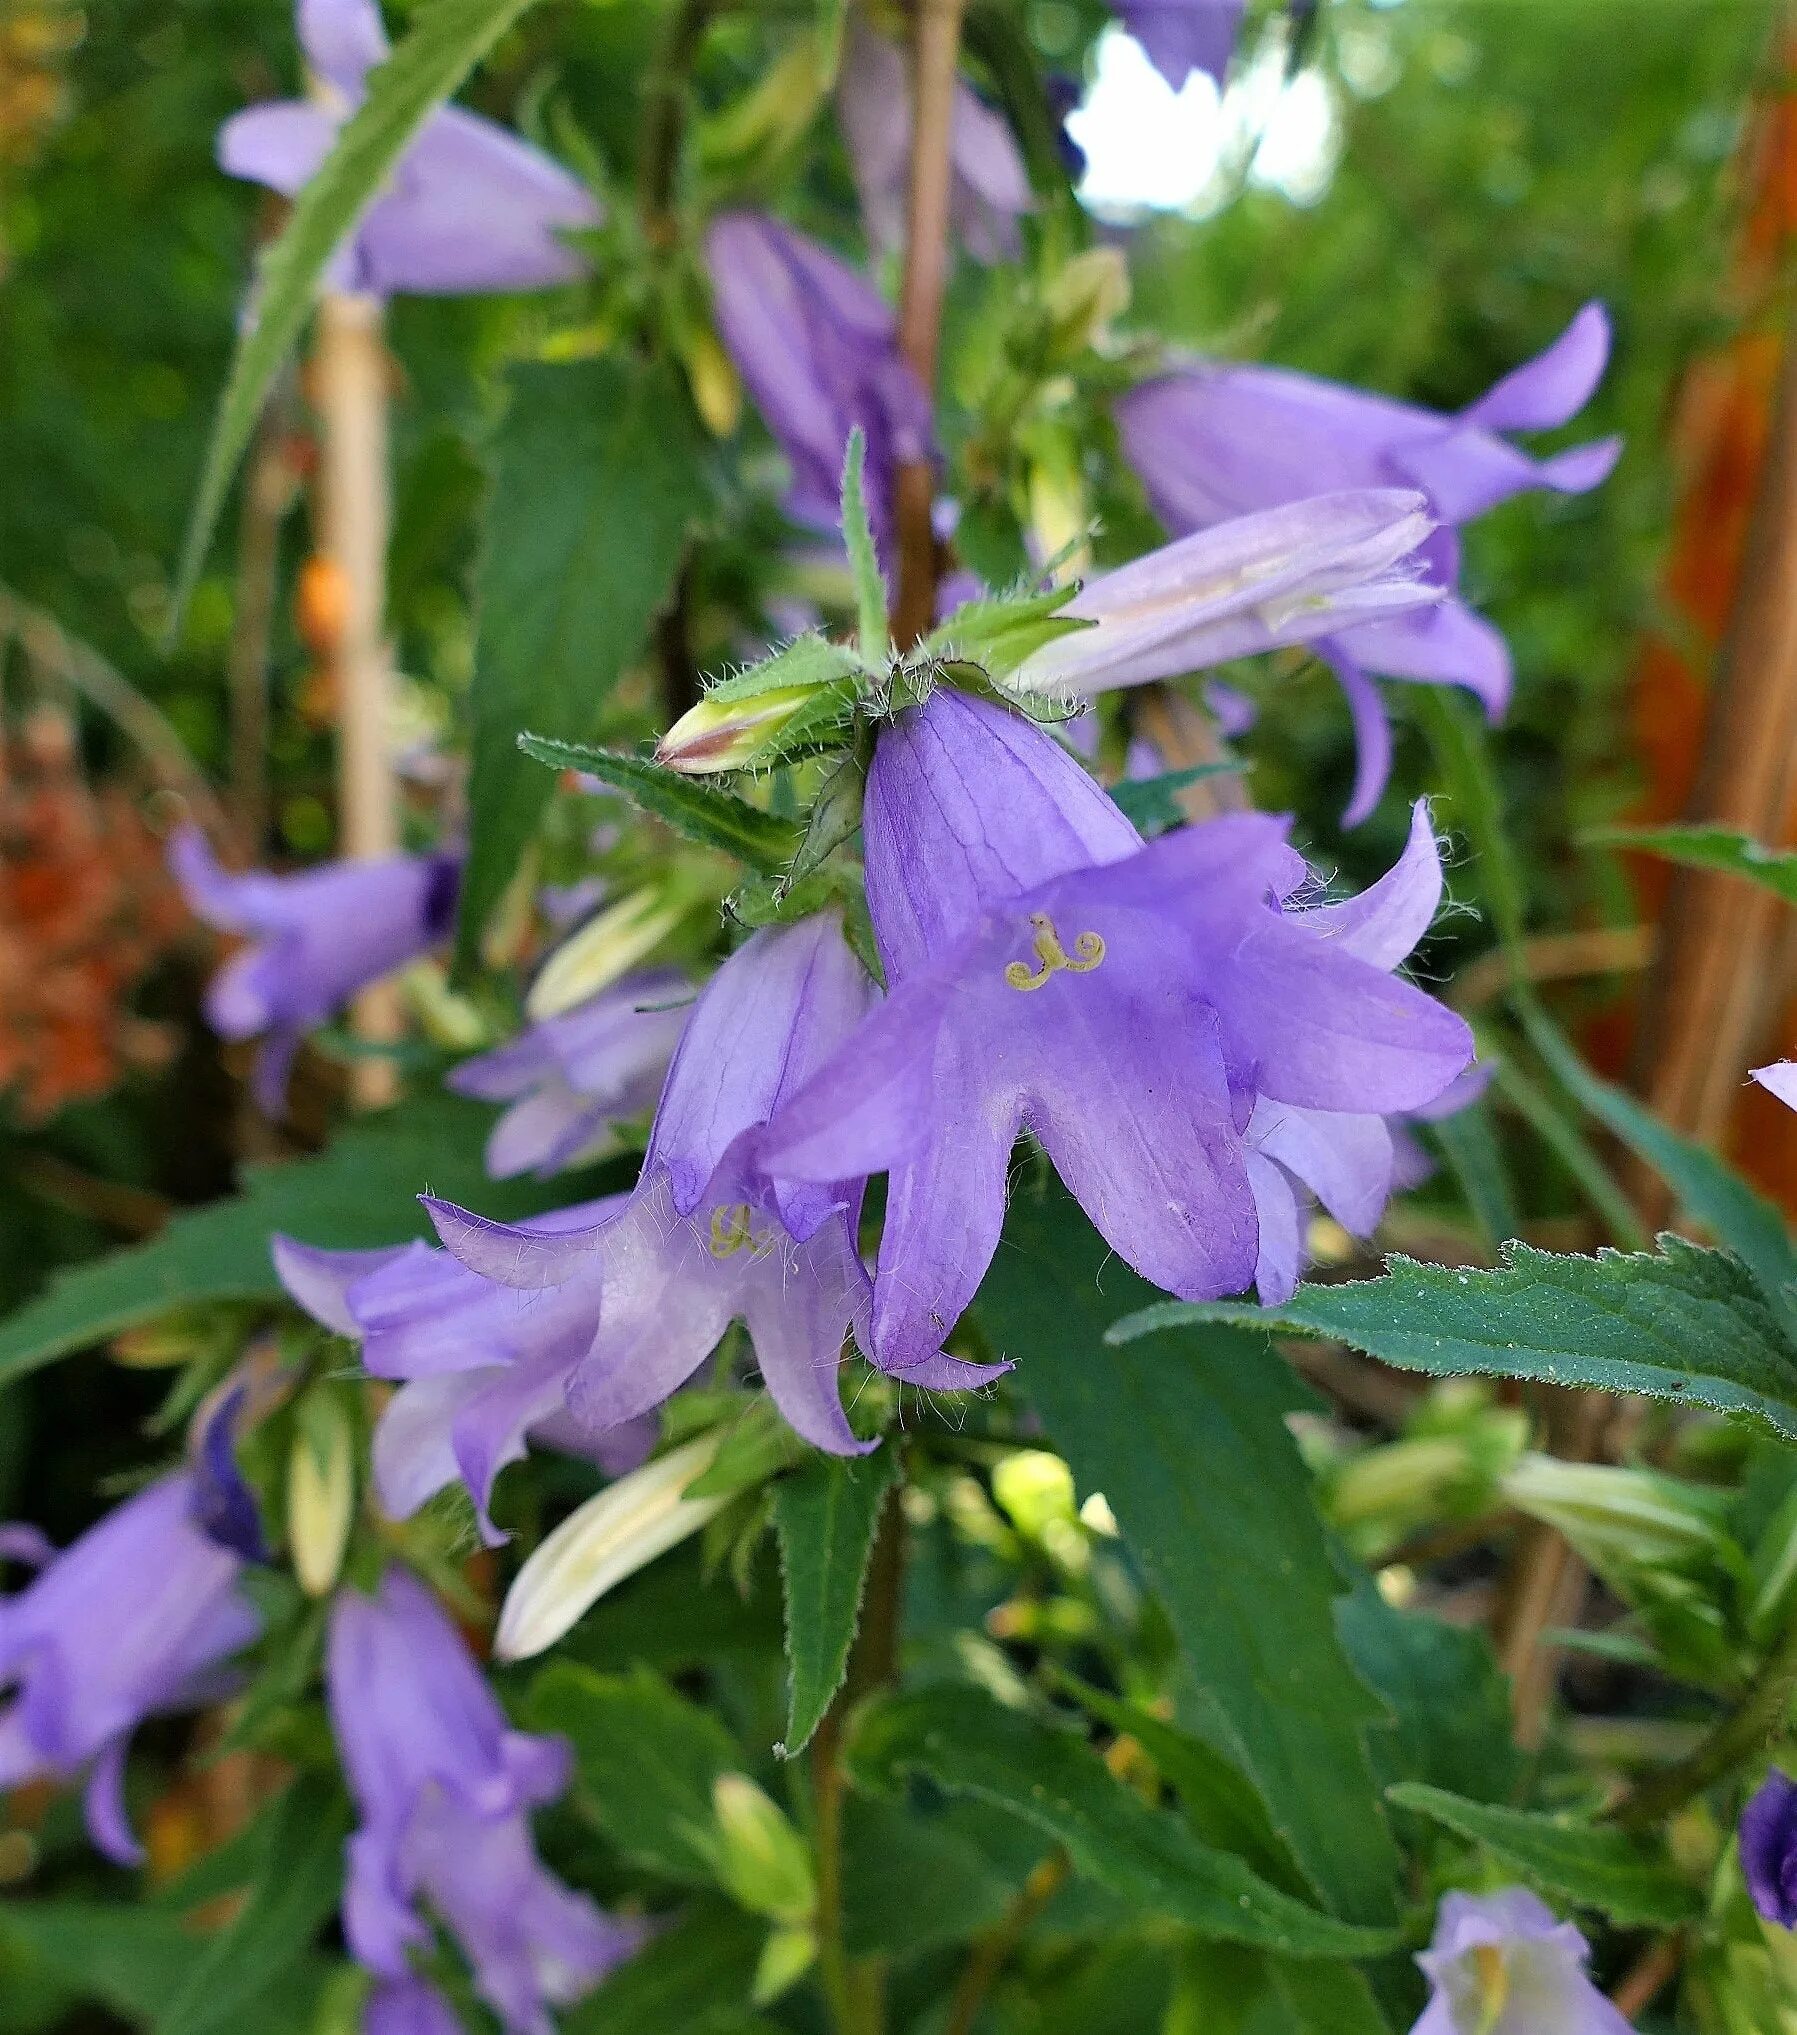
point(1494, 1983)
point(730, 1229)
point(1088, 952)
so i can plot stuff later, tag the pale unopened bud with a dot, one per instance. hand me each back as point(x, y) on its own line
point(1085, 297)
point(717, 387)
point(608, 1538)
point(786, 1956)
point(607, 947)
point(1613, 1515)
point(762, 1861)
point(729, 734)
point(445, 1017)
point(321, 1492)
point(1035, 1491)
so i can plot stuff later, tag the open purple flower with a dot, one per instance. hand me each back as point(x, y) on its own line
point(1224, 439)
point(469, 208)
point(316, 939)
point(138, 1617)
point(1179, 37)
point(1124, 1003)
point(409, 2006)
point(818, 348)
point(990, 191)
point(445, 1789)
point(1769, 1849)
point(1779, 1079)
point(483, 1368)
point(572, 1079)
point(704, 1240)
point(1503, 1964)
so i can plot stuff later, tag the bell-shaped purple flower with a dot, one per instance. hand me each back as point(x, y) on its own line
point(704, 1239)
point(1503, 1964)
point(138, 1617)
point(483, 1369)
point(1124, 1003)
point(1179, 37)
point(1779, 1079)
point(316, 937)
point(1224, 439)
point(990, 188)
point(445, 1790)
point(409, 2006)
point(818, 348)
point(572, 1079)
point(469, 208)
point(1769, 1849)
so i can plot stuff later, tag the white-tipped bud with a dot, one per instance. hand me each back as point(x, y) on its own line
point(763, 1863)
point(608, 1538)
point(321, 1492)
point(607, 947)
point(721, 733)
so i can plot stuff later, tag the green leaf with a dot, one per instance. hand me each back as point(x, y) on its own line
point(447, 40)
point(835, 816)
point(1585, 1864)
point(130, 1958)
point(864, 561)
point(826, 1516)
point(361, 1190)
point(646, 1761)
point(1718, 848)
point(1467, 1140)
point(696, 810)
point(687, 1980)
point(1683, 1324)
point(967, 1744)
point(297, 1889)
point(1474, 802)
point(1187, 1440)
point(999, 633)
point(1151, 804)
point(669, 1616)
point(600, 478)
point(961, 1865)
point(1324, 1999)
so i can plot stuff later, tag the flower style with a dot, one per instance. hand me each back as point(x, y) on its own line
point(1221, 440)
point(1769, 1849)
point(572, 1079)
point(317, 938)
point(1127, 1004)
point(445, 1790)
point(138, 1617)
point(818, 348)
point(703, 1239)
point(1179, 37)
point(469, 208)
point(483, 1368)
point(1501, 1964)
point(991, 188)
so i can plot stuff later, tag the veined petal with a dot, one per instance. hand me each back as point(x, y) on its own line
point(1385, 921)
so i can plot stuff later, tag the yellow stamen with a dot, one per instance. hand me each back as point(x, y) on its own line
point(729, 1229)
point(1494, 1982)
point(1088, 947)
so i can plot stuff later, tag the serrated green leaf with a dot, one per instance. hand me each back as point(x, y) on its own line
point(599, 481)
point(1188, 1442)
point(1582, 1862)
point(445, 43)
point(1719, 848)
point(1151, 804)
point(646, 1761)
point(697, 811)
point(967, 1744)
point(1684, 1324)
point(807, 660)
point(691, 1979)
point(826, 1516)
point(864, 561)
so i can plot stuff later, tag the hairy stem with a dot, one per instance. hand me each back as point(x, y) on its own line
point(995, 1949)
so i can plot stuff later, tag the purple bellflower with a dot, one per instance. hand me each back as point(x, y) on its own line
point(1128, 1004)
point(469, 208)
point(572, 1079)
point(818, 348)
point(317, 937)
point(1779, 1079)
point(1769, 1849)
point(1501, 1964)
point(482, 1368)
point(445, 1790)
point(1222, 440)
point(409, 2006)
point(138, 1617)
point(1179, 37)
point(704, 1240)
point(990, 191)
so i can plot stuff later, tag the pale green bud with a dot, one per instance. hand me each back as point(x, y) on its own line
point(321, 1491)
point(609, 945)
point(786, 1956)
point(1035, 1490)
point(729, 734)
point(1088, 294)
point(1627, 1516)
point(762, 1861)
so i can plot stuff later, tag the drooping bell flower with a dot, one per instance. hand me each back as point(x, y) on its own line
point(990, 188)
point(704, 1240)
point(1769, 1849)
point(1179, 37)
point(141, 1615)
point(817, 346)
point(1049, 972)
point(572, 1079)
point(409, 2006)
point(1223, 439)
point(316, 938)
point(445, 1790)
point(482, 1368)
point(1503, 1964)
point(468, 209)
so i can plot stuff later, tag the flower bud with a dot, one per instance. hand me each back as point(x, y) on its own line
point(608, 946)
point(321, 1492)
point(716, 386)
point(1035, 1491)
point(608, 1538)
point(786, 1956)
point(1631, 1518)
point(762, 1861)
point(1085, 297)
point(729, 734)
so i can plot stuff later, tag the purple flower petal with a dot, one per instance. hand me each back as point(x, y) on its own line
point(343, 40)
point(1179, 37)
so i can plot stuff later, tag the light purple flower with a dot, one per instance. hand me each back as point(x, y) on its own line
point(1222, 440)
point(1502, 1964)
point(1769, 1849)
point(445, 1789)
point(990, 191)
point(468, 208)
point(483, 1368)
point(316, 939)
point(1179, 37)
point(138, 1617)
point(572, 1079)
point(1779, 1079)
point(818, 348)
point(1124, 1003)
point(704, 1239)
point(409, 2006)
